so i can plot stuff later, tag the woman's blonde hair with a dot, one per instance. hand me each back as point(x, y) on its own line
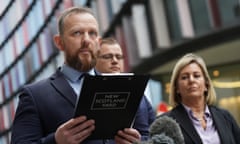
point(174, 97)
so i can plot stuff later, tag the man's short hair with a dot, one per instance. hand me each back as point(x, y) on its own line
point(108, 40)
point(68, 12)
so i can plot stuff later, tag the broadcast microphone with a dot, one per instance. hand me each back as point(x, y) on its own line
point(166, 130)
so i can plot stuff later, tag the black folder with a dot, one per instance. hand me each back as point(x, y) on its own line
point(112, 101)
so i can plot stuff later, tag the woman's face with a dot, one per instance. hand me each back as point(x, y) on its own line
point(191, 83)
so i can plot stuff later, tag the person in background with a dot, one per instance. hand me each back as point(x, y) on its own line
point(192, 96)
point(46, 108)
point(110, 59)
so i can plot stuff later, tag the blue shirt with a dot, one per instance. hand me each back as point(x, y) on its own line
point(73, 77)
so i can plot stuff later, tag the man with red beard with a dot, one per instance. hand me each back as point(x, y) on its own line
point(46, 108)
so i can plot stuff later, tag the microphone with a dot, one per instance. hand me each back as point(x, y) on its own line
point(166, 127)
point(164, 130)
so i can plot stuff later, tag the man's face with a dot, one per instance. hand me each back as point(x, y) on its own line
point(80, 41)
point(110, 59)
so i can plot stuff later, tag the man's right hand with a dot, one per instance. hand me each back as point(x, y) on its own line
point(74, 131)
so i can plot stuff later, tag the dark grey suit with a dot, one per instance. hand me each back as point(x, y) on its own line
point(45, 105)
point(229, 131)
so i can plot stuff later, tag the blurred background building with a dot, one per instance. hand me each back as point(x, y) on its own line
point(153, 34)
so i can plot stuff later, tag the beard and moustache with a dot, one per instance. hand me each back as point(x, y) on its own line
point(81, 63)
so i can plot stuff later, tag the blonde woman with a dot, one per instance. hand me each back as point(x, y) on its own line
point(192, 96)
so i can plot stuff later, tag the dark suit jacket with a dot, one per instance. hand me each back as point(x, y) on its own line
point(228, 130)
point(45, 105)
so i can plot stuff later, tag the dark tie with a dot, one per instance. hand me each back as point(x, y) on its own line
point(83, 75)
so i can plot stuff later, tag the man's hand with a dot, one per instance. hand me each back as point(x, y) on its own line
point(74, 131)
point(127, 136)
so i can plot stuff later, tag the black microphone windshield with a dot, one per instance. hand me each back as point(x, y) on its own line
point(165, 125)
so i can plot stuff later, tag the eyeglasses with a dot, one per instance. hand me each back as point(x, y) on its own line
point(111, 56)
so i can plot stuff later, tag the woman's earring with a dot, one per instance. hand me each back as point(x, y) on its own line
point(205, 92)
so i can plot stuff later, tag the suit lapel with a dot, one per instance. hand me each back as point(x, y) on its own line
point(62, 86)
point(182, 117)
point(220, 124)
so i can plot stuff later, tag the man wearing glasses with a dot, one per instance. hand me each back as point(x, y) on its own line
point(110, 58)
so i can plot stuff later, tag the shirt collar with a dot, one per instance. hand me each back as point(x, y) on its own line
point(73, 74)
point(190, 113)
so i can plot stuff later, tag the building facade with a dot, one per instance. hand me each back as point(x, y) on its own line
point(153, 34)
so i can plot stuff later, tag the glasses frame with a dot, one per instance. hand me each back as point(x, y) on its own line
point(111, 56)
